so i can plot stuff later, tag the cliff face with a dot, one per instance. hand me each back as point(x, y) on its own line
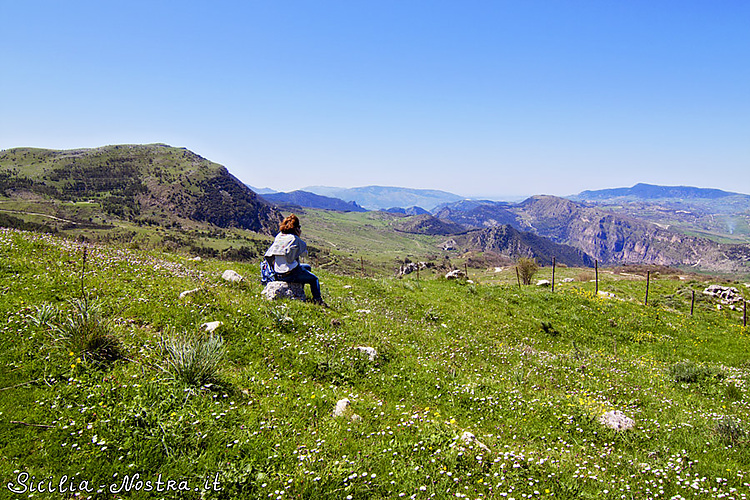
point(612, 238)
point(509, 242)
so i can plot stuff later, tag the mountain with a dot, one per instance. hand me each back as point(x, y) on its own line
point(712, 213)
point(427, 224)
point(262, 191)
point(613, 238)
point(144, 184)
point(407, 211)
point(510, 242)
point(604, 235)
point(312, 200)
point(470, 213)
point(382, 197)
point(643, 191)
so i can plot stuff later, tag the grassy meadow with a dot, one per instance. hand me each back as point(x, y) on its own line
point(109, 388)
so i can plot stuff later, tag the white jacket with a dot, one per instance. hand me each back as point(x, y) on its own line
point(286, 250)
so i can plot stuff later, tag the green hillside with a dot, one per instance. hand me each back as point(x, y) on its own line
point(112, 186)
point(526, 371)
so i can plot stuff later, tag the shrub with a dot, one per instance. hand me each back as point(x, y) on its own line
point(192, 358)
point(689, 372)
point(84, 331)
point(527, 268)
point(730, 430)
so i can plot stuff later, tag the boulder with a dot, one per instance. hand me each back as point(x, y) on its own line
point(727, 295)
point(606, 295)
point(455, 274)
point(230, 275)
point(616, 420)
point(543, 283)
point(567, 280)
point(283, 290)
point(341, 406)
point(211, 326)
point(371, 352)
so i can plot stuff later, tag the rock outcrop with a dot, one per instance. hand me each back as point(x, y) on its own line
point(283, 290)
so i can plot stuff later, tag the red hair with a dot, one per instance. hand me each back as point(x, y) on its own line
point(290, 225)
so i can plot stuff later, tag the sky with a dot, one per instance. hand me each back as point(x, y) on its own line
point(493, 99)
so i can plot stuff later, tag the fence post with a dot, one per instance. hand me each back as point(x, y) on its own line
point(692, 303)
point(362, 264)
point(596, 269)
point(648, 280)
point(554, 261)
point(744, 312)
point(518, 277)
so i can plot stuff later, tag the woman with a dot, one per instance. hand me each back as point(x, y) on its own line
point(284, 256)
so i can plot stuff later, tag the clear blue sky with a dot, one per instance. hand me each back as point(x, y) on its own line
point(473, 97)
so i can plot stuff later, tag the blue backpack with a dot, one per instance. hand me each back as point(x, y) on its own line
point(266, 272)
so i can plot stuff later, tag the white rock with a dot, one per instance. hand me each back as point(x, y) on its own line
point(188, 292)
point(616, 420)
point(568, 280)
point(363, 311)
point(211, 326)
point(371, 352)
point(543, 283)
point(341, 406)
point(455, 274)
point(347, 287)
point(195, 259)
point(498, 269)
point(606, 295)
point(230, 275)
point(283, 290)
point(470, 439)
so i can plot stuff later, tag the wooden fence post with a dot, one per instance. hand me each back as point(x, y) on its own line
point(362, 264)
point(692, 303)
point(554, 261)
point(648, 280)
point(744, 312)
point(596, 270)
point(518, 277)
point(466, 270)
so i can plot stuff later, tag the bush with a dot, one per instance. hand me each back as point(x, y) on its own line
point(193, 358)
point(730, 430)
point(527, 268)
point(689, 372)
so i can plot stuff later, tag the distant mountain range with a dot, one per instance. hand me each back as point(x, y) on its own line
point(159, 185)
point(311, 200)
point(712, 213)
point(383, 197)
point(606, 236)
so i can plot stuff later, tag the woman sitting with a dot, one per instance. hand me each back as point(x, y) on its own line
point(284, 256)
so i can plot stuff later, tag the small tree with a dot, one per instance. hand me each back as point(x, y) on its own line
point(526, 269)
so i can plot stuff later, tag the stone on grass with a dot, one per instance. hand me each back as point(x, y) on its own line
point(471, 440)
point(543, 283)
point(188, 292)
point(230, 275)
point(606, 295)
point(616, 420)
point(211, 326)
point(567, 280)
point(727, 294)
point(343, 407)
point(284, 290)
point(371, 352)
point(455, 274)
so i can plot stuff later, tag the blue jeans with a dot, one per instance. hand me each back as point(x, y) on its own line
point(302, 274)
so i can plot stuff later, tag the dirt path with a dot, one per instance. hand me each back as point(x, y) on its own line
point(35, 213)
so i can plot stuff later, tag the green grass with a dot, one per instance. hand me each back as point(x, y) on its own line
point(527, 371)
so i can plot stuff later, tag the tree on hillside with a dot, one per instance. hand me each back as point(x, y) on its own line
point(526, 269)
